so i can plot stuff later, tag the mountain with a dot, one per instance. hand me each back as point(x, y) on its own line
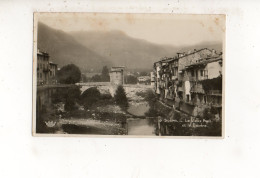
point(91, 50)
point(64, 49)
point(123, 50)
point(210, 45)
point(133, 53)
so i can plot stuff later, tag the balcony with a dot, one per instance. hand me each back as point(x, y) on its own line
point(215, 92)
point(193, 79)
point(202, 78)
point(197, 88)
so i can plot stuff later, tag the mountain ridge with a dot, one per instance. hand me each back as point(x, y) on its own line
point(122, 49)
point(91, 50)
point(64, 49)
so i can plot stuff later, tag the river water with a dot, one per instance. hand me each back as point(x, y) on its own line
point(139, 126)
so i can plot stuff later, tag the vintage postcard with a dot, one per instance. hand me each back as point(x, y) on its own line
point(105, 74)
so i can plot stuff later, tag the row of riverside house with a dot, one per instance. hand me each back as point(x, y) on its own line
point(46, 70)
point(190, 82)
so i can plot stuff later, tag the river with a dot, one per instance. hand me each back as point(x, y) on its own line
point(140, 126)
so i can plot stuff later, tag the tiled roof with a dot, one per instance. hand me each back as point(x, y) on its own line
point(204, 62)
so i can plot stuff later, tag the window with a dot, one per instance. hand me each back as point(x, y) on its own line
point(37, 75)
point(40, 75)
point(205, 98)
point(201, 73)
point(205, 73)
point(192, 73)
point(40, 66)
point(188, 98)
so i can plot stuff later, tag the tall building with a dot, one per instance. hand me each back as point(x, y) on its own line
point(53, 73)
point(46, 70)
point(117, 75)
point(190, 81)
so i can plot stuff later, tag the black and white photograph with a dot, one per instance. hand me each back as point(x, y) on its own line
point(129, 89)
point(119, 74)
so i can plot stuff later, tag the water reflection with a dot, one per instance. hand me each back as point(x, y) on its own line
point(140, 127)
point(138, 109)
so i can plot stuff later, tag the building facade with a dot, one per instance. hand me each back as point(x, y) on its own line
point(117, 75)
point(152, 78)
point(144, 80)
point(53, 73)
point(46, 70)
point(190, 82)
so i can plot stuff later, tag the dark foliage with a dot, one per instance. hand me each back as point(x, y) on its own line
point(84, 78)
point(106, 96)
point(105, 74)
point(120, 97)
point(207, 114)
point(90, 96)
point(130, 79)
point(179, 84)
point(104, 77)
point(96, 78)
point(69, 96)
point(69, 104)
point(69, 74)
point(212, 84)
point(144, 73)
point(150, 97)
point(176, 116)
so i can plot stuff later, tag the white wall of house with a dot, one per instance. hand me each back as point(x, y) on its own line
point(214, 69)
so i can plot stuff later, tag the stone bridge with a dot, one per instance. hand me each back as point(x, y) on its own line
point(107, 87)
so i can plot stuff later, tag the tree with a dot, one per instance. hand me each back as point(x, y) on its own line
point(131, 79)
point(69, 74)
point(84, 78)
point(90, 96)
point(143, 73)
point(96, 78)
point(69, 104)
point(105, 74)
point(212, 84)
point(120, 97)
point(68, 95)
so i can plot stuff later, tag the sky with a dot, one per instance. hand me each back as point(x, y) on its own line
point(170, 29)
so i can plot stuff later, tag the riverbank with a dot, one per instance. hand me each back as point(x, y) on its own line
point(103, 118)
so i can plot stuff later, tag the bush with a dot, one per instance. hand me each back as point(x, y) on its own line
point(90, 96)
point(96, 78)
point(68, 95)
point(207, 114)
point(69, 104)
point(130, 79)
point(150, 97)
point(105, 74)
point(120, 97)
point(106, 96)
point(69, 74)
point(177, 116)
point(212, 84)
